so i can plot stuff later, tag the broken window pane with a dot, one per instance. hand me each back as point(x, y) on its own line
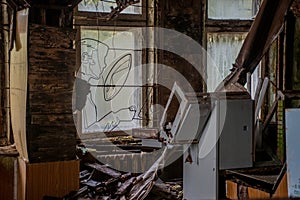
point(232, 9)
point(105, 6)
point(255, 79)
point(222, 49)
point(108, 60)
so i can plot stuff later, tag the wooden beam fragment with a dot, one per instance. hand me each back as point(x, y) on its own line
point(105, 170)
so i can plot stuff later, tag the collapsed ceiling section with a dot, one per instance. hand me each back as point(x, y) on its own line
point(264, 30)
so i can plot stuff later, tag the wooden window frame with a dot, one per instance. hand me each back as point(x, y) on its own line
point(122, 22)
point(95, 19)
point(221, 26)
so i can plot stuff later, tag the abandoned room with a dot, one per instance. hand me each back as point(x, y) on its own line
point(149, 99)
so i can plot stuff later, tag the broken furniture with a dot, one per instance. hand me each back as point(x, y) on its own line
point(215, 135)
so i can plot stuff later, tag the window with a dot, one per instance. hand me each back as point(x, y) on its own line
point(235, 9)
point(107, 12)
point(219, 44)
point(226, 30)
point(105, 7)
point(110, 62)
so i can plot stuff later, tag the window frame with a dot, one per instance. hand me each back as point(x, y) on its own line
point(138, 59)
point(94, 18)
point(221, 26)
point(123, 22)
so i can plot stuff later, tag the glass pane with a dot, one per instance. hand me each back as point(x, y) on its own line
point(107, 64)
point(222, 48)
point(255, 79)
point(105, 6)
point(232, 9)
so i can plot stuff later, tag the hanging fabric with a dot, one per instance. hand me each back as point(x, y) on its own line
point(18, 83)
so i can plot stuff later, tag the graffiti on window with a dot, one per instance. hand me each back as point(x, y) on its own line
point(107, 86)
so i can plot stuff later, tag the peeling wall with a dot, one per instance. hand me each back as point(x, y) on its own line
point(51, 131)
point(186, 18)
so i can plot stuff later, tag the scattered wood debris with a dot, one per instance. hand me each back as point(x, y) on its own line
point(121, 5)
point(98, 181)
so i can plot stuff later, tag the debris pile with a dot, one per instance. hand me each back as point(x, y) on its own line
point(99, 181)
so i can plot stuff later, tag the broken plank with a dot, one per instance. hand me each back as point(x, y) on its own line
point(105, 170)
point(125, 187)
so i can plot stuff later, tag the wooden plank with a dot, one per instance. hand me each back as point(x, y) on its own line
point(51, 179)
point(280, 193)
point(231, 190)
point(51, 68)
point(282, 190)
point(38, 54)
point(51, 143)
point(145, 133)
point(47, 155)
point(52, 64)
point(51, 119)
point(257, 194)
point(49, 72)
point(39, 108)
point(46, 36)
point(7, 166)
point(105, 170)
point(45, 96)
point(292, 94)
point(50, 87)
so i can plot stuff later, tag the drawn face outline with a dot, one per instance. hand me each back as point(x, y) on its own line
point(93, 57)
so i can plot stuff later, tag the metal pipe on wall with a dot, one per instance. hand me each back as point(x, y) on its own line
point(1, 68)
point(5, 20)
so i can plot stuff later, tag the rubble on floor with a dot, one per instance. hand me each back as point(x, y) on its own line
point(101, 182)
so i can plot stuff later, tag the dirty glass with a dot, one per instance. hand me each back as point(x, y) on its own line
point(223, 49)
point(105, 6)
point(108, 60)
point(232, 9)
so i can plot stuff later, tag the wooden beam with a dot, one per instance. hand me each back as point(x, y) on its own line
point(292, 94)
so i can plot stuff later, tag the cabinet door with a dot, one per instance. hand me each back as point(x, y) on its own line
point(235, 143)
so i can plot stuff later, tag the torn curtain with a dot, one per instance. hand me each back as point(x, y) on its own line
point(18, 83)
point(264, 30)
